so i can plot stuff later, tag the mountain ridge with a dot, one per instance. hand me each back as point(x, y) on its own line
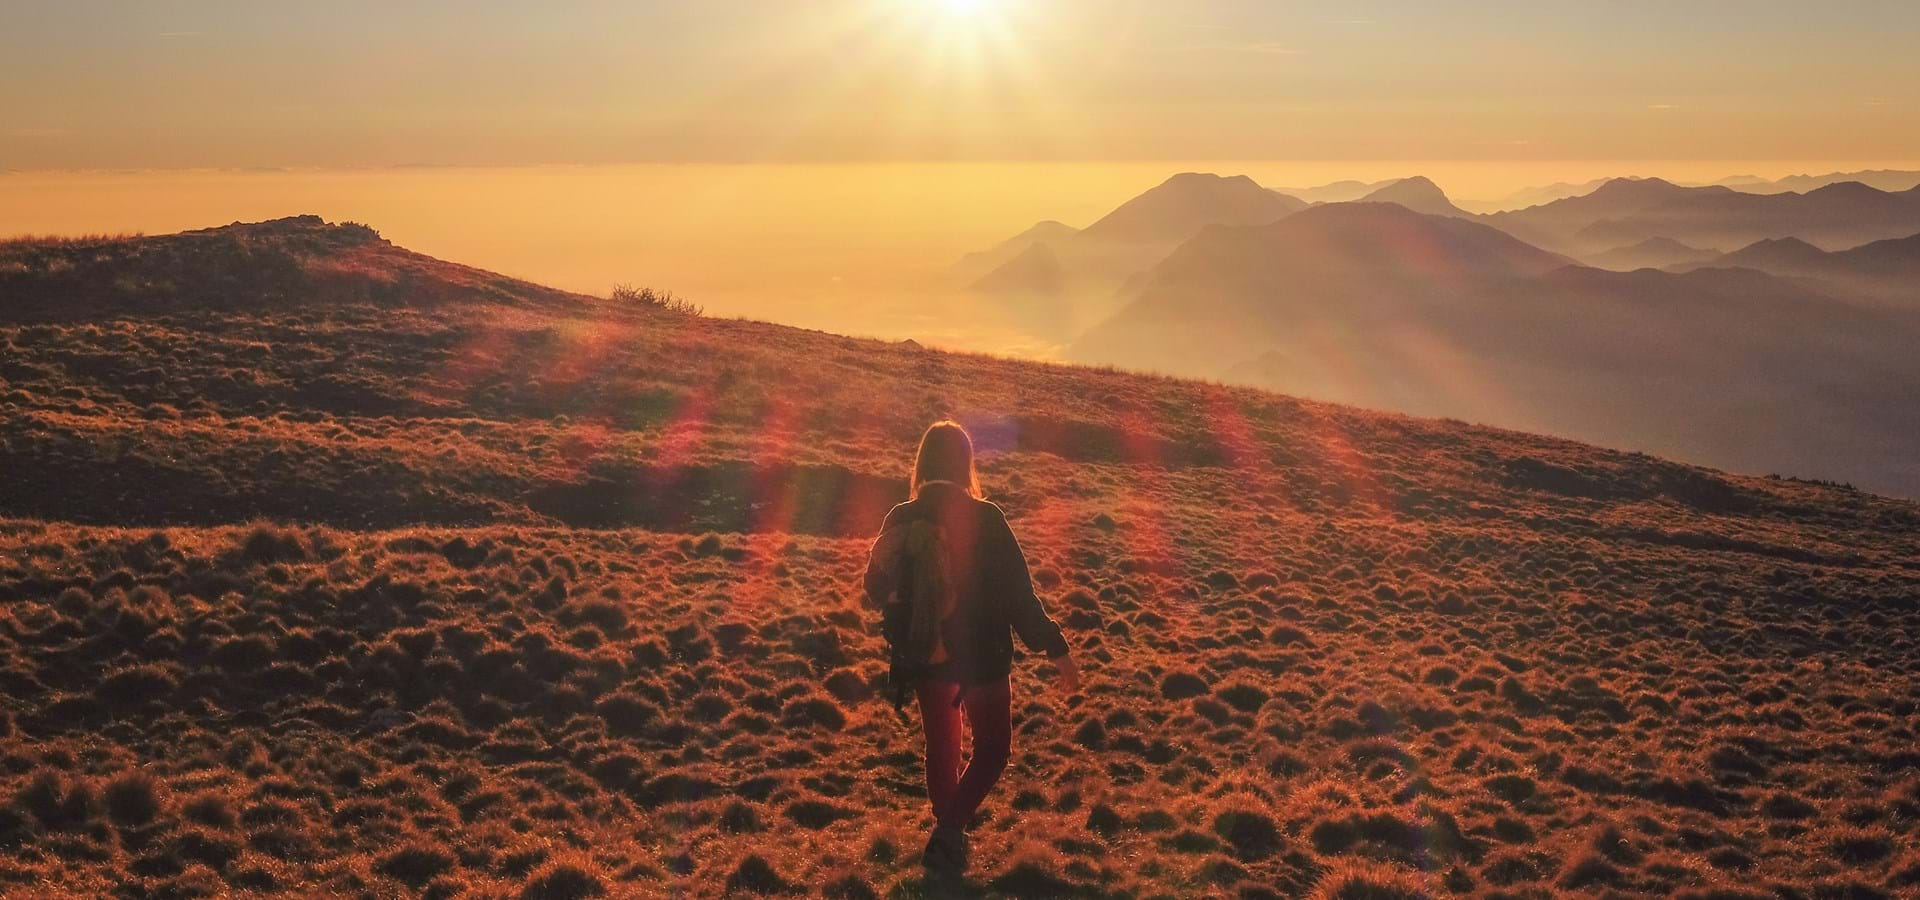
point(1622, 212)
point(1882, 271)
point(1419, 194)
point(1402, 315)
point(1079, 278)
point(1652, 253)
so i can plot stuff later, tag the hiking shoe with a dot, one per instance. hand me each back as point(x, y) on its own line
point(946, 851)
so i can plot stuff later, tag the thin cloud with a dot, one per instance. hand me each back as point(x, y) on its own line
point(177, 34)
point(1663, 106)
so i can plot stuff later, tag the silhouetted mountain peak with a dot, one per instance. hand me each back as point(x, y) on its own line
point(1772, 254)
point(1419, 194)
point(1416, 183)
point(1845, 189)
point(1665, 243)
point(1654, 253)
point(1047, 229)
point(1782, 245)
point(1635, 187)
point(1189, 179)
point(1183, 204)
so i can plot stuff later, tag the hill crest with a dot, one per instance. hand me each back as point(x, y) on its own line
point(1419, 194)
point(297, 260)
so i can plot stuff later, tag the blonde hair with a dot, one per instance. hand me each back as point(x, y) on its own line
point(946, 454)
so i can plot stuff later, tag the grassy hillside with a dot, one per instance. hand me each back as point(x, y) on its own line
point(560, 597)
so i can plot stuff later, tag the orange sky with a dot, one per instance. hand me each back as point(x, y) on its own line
point(800, 160)
point(208, 83)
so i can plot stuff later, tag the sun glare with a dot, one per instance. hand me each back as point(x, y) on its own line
point(962, 9)
point(964, 16)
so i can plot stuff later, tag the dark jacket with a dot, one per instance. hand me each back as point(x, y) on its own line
point(993, 591)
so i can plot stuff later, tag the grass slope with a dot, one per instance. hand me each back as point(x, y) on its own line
point(568, 605)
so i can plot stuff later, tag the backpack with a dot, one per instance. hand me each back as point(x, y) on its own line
point(913, 620)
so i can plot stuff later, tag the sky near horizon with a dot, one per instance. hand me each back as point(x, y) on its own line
point(200, 83)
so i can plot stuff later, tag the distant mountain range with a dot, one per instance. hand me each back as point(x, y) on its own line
point(1377, 305)
point(1337, 192)
point(1891, 180)
point(1622, 223)
point(1882, 271)
point(1058, 281)
point(1623, 212)
point(1652, 253)
point(1534, 196)
point(1226, 294)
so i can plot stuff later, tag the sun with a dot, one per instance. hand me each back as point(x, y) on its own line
point(962, 8)
point(965, 12)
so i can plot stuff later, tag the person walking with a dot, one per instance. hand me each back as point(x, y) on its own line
point(953, 583)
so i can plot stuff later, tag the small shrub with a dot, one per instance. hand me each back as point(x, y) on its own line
point(59, 803)
point(1191, 842)
point(740, 818)
point(416, 864)
point(212, 810)
point(1514, 789)
point(804, 711)
point(850, 887)
point(266, 544)
point(1589, 871)
point(1032, 878)
point(816, 814)
point(1367, 881)
point(666, 301)
point(133, 798)
point(1182, 686)
point(754, 875)
point(1252, 835)
point(627, 714)
point(1859, 846)
point(1246, 698)
point(1102, 820)
point(212, 850)
point(572, 877)
point(135, 685)
point(848, 686)
point(244, 654)
point(1091, 734)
